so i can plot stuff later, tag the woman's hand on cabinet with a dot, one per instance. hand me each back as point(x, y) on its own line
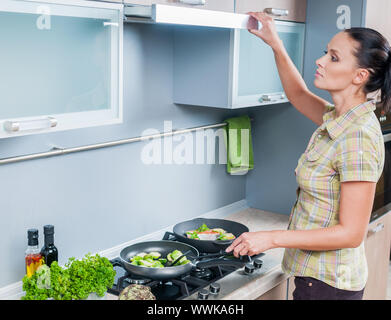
point(267, 32)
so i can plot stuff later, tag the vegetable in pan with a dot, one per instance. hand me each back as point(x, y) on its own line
point(205, 233)
point(154, 260)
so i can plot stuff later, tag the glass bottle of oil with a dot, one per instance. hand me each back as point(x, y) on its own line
point(33, 258)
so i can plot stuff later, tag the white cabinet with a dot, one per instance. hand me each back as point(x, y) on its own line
point(61, 65)
point(378, 16)
point(117, 1)
point(217, 5)
point(377, 250)
point(296, 8)
point(231, 68)
point(279, 292)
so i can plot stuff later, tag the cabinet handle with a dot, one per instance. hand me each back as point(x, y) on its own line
point(272, 97)
point(17, 126)
point(276, 12)
point(193, 2)
point(376, 229)
point(113, 24)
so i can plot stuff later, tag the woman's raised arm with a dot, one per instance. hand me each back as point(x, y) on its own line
point(309, 104)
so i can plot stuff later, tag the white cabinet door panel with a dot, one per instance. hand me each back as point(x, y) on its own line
point(217, 5)
point(231, 68)
point(61, 59)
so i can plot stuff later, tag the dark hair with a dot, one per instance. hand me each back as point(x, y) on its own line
point(374, 54)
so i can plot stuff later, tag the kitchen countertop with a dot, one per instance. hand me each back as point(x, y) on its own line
point(237, 286)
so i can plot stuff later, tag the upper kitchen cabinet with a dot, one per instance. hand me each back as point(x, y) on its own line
point(231, 68)
point(116, 1)
point(61, 65)
point(216, 5)
point(378, 16)
point(292, 10)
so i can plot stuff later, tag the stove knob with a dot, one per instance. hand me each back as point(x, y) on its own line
point(214, 288)
point(203, 294)
point(249, 268)
point(257, 263)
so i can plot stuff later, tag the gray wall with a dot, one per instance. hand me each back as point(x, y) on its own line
point(280, 132)
point(102, 198)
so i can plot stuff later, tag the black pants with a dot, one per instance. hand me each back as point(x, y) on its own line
point(308, 288)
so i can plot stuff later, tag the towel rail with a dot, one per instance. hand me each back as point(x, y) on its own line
point(55, 151)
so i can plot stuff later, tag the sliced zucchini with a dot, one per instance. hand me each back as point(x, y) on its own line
point(155, 255)
point(145, 263)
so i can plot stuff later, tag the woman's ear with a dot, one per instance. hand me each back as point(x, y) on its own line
point(361, 76)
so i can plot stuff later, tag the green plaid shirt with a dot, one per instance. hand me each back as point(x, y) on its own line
point(347, 148)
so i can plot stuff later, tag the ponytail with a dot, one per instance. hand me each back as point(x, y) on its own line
point(386, 88)
point(374, 54)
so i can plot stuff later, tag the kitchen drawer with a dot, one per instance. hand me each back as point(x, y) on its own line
point(138, 2)
point(217, 5)
point(377, 250)
point(291, 288)
point(279, 292)
point(296, 8)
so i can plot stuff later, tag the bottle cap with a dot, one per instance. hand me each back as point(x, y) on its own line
point(32, 235)
point(48, 229)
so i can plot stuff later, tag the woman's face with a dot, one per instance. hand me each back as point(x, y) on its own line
point(337, 69)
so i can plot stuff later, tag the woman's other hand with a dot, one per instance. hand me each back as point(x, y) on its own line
point(268, 32)
point(252, 243)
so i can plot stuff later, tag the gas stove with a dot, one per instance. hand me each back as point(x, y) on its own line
point(198, 283)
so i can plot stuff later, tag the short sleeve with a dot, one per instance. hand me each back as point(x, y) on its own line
point(358, 157)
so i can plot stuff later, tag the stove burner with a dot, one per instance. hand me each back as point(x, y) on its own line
point(135, 279)
point(128, 279)
point(205, 274)
point(166, 291)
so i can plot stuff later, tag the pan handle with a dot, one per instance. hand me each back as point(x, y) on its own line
point(222, 242)
point(116, 262)
point(219, 254)
point(224, 262)
point(219, 262)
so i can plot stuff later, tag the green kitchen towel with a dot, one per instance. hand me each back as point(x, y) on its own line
point(238, 141)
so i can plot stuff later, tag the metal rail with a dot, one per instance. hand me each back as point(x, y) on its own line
point(62, 151)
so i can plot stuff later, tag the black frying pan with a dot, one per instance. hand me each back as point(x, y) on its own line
point(166, 246)
point(208, 246)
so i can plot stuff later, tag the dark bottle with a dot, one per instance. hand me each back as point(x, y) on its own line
point(49, 251)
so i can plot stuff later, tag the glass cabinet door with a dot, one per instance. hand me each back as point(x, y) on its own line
point(255, 75)
point(61, 60)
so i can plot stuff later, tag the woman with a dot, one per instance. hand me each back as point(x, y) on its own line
point(338, 172)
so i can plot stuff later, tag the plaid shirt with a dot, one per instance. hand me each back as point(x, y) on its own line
point(347, 148)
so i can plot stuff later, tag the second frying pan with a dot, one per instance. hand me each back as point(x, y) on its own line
point(208, 246)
